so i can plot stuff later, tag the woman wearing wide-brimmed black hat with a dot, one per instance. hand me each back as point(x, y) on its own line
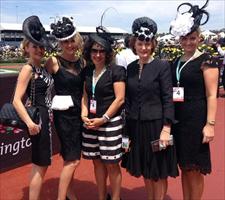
point(149, 113)
point(66, 69)
point(33, 47)
point(103, 97)
point(195, 82)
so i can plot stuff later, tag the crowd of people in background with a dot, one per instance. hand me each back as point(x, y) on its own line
point(133, 108)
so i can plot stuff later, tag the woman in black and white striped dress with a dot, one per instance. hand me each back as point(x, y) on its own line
point(103, 97)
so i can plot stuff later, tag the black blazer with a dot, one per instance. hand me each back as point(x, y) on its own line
point(104, 91)
point(149, 97)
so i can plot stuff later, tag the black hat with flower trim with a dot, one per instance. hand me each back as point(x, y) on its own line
point(144, 28)
point(34, 31)
point(189, 21)
point(63, 29)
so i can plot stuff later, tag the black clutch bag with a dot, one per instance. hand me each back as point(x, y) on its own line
point(9, 116)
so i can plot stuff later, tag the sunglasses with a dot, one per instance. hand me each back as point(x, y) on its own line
point(95, 51)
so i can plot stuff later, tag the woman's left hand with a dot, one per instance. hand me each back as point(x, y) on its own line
point(208, 133)
point(96, 122)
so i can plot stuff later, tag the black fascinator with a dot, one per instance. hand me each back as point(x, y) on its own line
point(144, 28)
point(34, 31)
point(188, 21)
point(103, 36)
point(63, 29)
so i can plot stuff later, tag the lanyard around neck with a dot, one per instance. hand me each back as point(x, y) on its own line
point(179, 69)
point(95, 80)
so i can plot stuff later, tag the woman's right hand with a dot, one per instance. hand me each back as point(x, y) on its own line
point(33, 128)
point(87, 122)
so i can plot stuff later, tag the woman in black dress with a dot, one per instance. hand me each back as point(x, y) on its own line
point(103, 97)
point(149, 113)
point(40, 134)
point(195, 81)
point(66, 69)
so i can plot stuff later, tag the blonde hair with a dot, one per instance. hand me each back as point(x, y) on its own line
point(23, 45)
point(78, 41)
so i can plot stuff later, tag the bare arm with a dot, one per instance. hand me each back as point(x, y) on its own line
point(22, 83)
point(119, 90)
point(84, 108)
point(211, 83)
point(52, 65)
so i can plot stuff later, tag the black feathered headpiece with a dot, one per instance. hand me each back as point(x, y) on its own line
point(103, 36)
point(189, 21)
point(63, 29)
point(34, 31)
point(144, 28)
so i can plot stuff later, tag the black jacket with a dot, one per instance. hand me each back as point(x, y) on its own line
point(149, 97)
point(104, 90)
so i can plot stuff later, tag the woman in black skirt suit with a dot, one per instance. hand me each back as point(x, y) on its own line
point(149, 113)
point(195, 81)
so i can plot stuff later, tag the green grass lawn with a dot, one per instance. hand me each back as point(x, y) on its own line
point(11, 64)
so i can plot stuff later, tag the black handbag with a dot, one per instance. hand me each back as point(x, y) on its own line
point(9, 115)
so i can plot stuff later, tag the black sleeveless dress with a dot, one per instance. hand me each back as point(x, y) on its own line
point(68, 122)
point(42, 142)
point(191, 114)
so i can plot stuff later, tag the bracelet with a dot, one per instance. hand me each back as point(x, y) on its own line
point(211, 123)
point(83, 116)
point(106, 118)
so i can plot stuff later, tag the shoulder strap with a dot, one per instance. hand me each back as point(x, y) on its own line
point(32, 86)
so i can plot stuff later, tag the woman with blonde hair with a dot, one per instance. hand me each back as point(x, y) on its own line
point(34, 77)
point(66, 69)
point(195, 82)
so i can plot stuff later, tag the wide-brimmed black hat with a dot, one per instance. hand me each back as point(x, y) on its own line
point(34, 31)
point(144, 28)
point(103, 37)
point(189, 21)
point(63, 29)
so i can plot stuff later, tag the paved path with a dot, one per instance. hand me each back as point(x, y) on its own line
point(14, 183)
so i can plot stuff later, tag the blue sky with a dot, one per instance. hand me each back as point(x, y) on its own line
point(88, 13)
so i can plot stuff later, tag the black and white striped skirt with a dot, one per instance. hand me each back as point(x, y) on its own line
point(105, 143)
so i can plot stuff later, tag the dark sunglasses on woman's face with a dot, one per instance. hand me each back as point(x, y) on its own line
point(95, 51)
